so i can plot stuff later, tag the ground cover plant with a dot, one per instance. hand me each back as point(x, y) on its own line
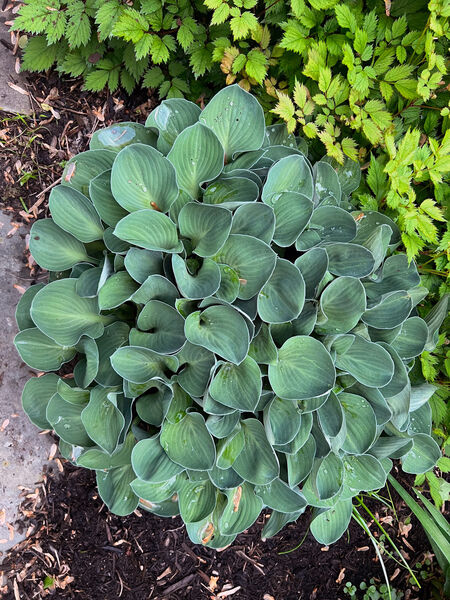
point(240, 336)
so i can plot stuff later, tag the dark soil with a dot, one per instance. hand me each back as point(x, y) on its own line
point(33, 150)
point(90, 554)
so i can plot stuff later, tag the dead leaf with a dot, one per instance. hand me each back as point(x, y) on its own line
point(340, 578)
point(404, 529)
point(18, 89)
point(227, 593)
point(213, 583)
point(166, 572)
point(394, 574)
point(19, 288)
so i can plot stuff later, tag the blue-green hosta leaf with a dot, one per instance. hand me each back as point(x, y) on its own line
point(115, 490)
point(326, 477)
point(224, 479)
point(195, 364)
point(41, 352)
point(333, 224)
point(326, 182)
point(151, 463)
point(104, 202)
point(369, 220)
point(392, 311)
point(397, 274)
point(368, 362)
point(292, 213)
point(197, 156)
point(74, 213)
point(197, 500)
point(189, 443)
point(434, 319)
point(420, 394)
point(363, 472)
point(86, 368)
point(114, 336)
point(277, 521)
point(23, 318)
point(237, 119)
point(330, 524)
point(206, 226)
point(376, 400)
point(342, 304)
point(156, 287)
point(299, 465)
point(301, 436)
point(35, 397)
point(307, 240)
point(257, 463)
point(140, 365)
point(205, 282)
point(82, 168)
point(304, 369)
point(95, 458)
point(283, 296)
point(360, 421)
point(167, 508)
point(237, 386)
point(420, 420)
point(155, 492)
point(423, 455)
point(88, 283)
point(282, 421)
point(331, 417)
point(231, 192)
point(290, 174)
point(141, 263)
point(74, 395)
point(349, 259)
point(102, 419)
point(61, 314)
point(349, 173)
point(53, 248)
point(116, 290)
point(212, 407)
point(256, 220)
point(149, 229)
point(65, 419)
point(171, 117)
point(113, 243)
point(241, 510)
point(207, 531)
point(117, 136)
point(313, 265)
point(229, 284)
point(400, 379)
point(152, 406)
point(278, 495)
point(377, 242)
point(220, 329)
point(228, 449)
point(252, 259)
point(411, 340)
point(142, 178)
point(222, 426)
point(262, 347)
point(165, 326)
point(278, 135)
point(391, 446)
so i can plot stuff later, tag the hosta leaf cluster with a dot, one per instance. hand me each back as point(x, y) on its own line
point(240, 337)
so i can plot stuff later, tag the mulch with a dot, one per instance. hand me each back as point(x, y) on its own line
point(81, 551)
point(33, 150)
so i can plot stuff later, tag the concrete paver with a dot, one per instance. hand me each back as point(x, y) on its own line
point(23, 451)
point(10, 99)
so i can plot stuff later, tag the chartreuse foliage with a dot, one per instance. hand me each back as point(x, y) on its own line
point(242, 336)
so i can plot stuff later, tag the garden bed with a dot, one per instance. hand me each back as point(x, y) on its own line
point(76, 543)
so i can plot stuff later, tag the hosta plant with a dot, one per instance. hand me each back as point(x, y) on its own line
point(239, 337)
